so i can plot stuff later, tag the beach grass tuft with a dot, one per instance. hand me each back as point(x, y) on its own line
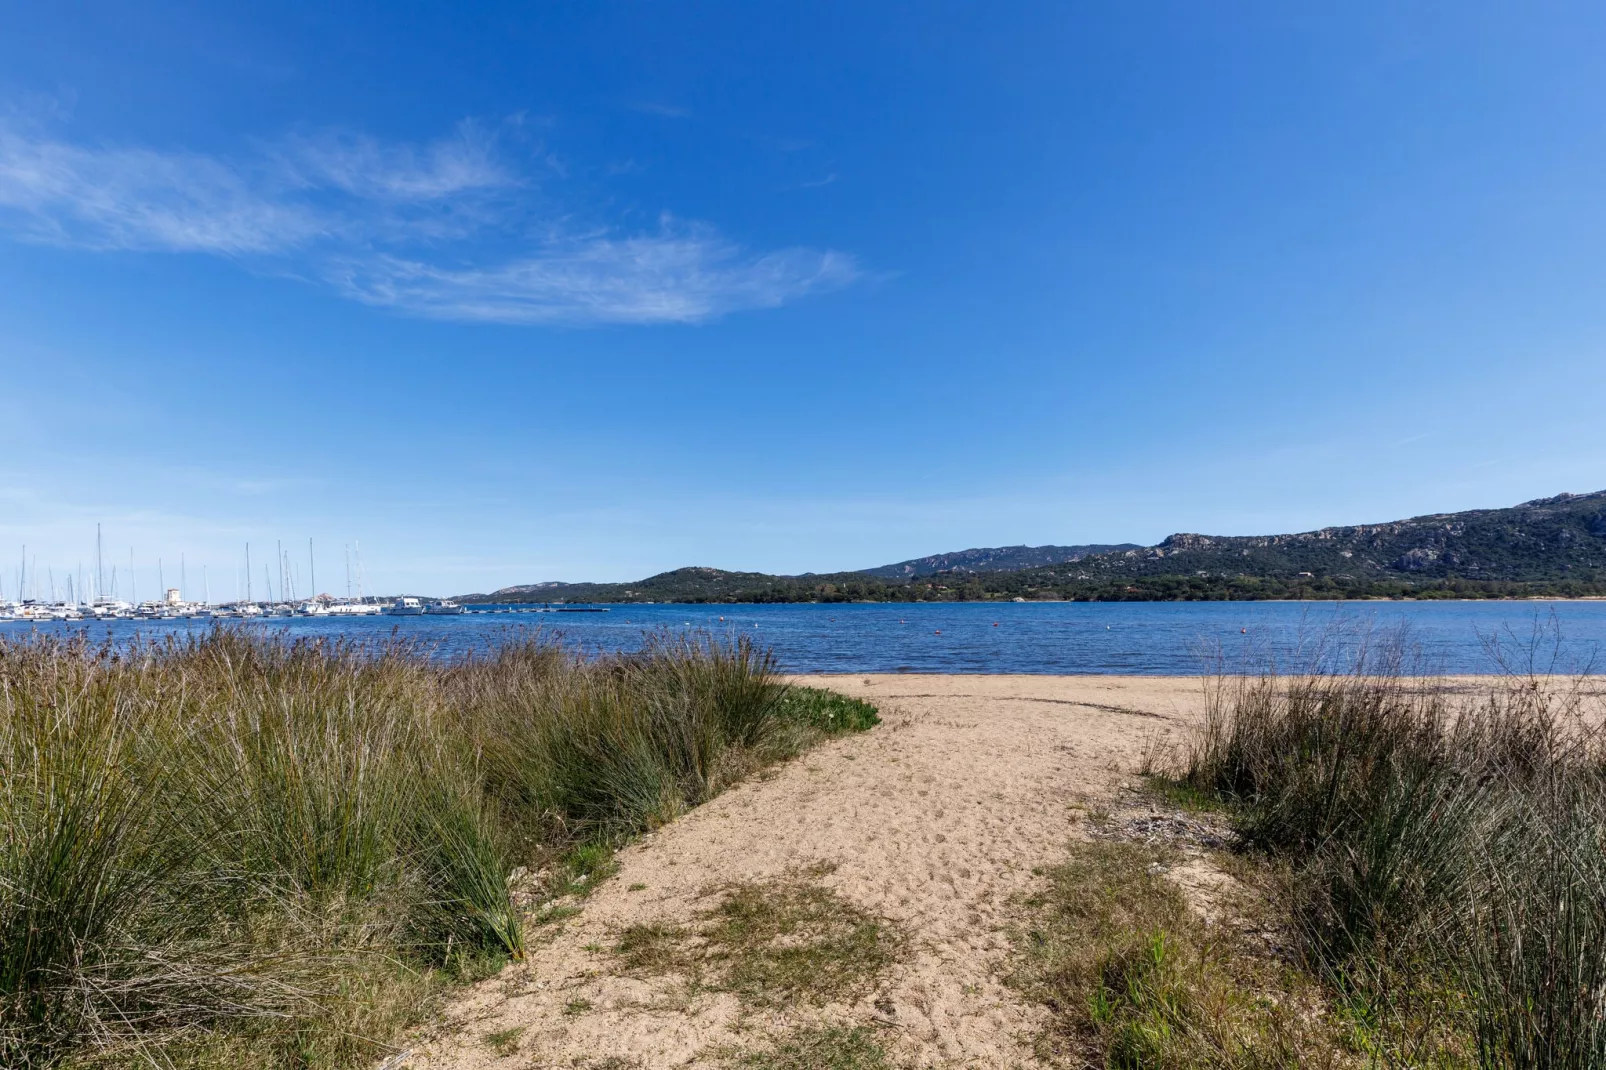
point(238, 843)
point(1444, 845)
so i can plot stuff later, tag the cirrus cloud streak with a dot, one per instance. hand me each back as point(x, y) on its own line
point(447, 230)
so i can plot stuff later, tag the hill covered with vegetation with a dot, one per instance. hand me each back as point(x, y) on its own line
point(992, 559)
point(1552, 547)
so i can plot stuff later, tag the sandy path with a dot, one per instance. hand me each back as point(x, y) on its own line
point(935, 820)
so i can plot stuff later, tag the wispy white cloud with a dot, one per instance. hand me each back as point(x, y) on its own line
point(447, 230)
point(678, 275)
point(142, 199)
point(366, 167)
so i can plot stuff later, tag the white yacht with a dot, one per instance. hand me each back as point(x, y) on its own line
point(355, 609)
point(109, 608)
point(406, 607)
point(443, 608)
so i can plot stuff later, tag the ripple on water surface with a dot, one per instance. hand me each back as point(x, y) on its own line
point(1004, 637)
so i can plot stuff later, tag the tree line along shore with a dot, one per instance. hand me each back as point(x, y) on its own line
point(706, 586)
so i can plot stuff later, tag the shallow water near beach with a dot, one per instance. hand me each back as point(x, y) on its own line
point(1142, 638)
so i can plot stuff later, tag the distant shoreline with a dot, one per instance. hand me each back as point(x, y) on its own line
point(1047, 601)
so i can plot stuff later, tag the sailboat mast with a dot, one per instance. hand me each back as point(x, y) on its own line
point(312, 570)
point(100, 567)
point(248, 572)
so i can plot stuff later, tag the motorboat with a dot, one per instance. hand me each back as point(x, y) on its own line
point(406, 607)
point(443, 608)
point(355, 609)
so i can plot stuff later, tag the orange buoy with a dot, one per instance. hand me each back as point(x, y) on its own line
point(937, 632)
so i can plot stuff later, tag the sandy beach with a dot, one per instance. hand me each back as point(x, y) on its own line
point(933, 821)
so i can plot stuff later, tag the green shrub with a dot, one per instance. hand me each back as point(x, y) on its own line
point(826, 711)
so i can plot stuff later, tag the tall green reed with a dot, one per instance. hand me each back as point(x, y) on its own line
point(1446, 845)
point(225, 833)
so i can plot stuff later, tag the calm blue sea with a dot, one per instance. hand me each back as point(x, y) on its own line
point(1057, 637)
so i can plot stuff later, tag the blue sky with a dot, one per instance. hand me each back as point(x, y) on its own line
point(592, 291)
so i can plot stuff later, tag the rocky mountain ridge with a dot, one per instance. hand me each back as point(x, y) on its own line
point(1549, 546)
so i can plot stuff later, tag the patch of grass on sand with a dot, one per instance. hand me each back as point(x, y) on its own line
point(1184, 796)
point(652, 948)
point(828, 711)
point(586, 866)
point(504, 1042)
point(1135, 979)
point(771, 942)
point(818, 1048)
point(780, 941)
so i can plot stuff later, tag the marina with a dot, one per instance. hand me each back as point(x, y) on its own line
point(174, 608)
point(95, 597)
